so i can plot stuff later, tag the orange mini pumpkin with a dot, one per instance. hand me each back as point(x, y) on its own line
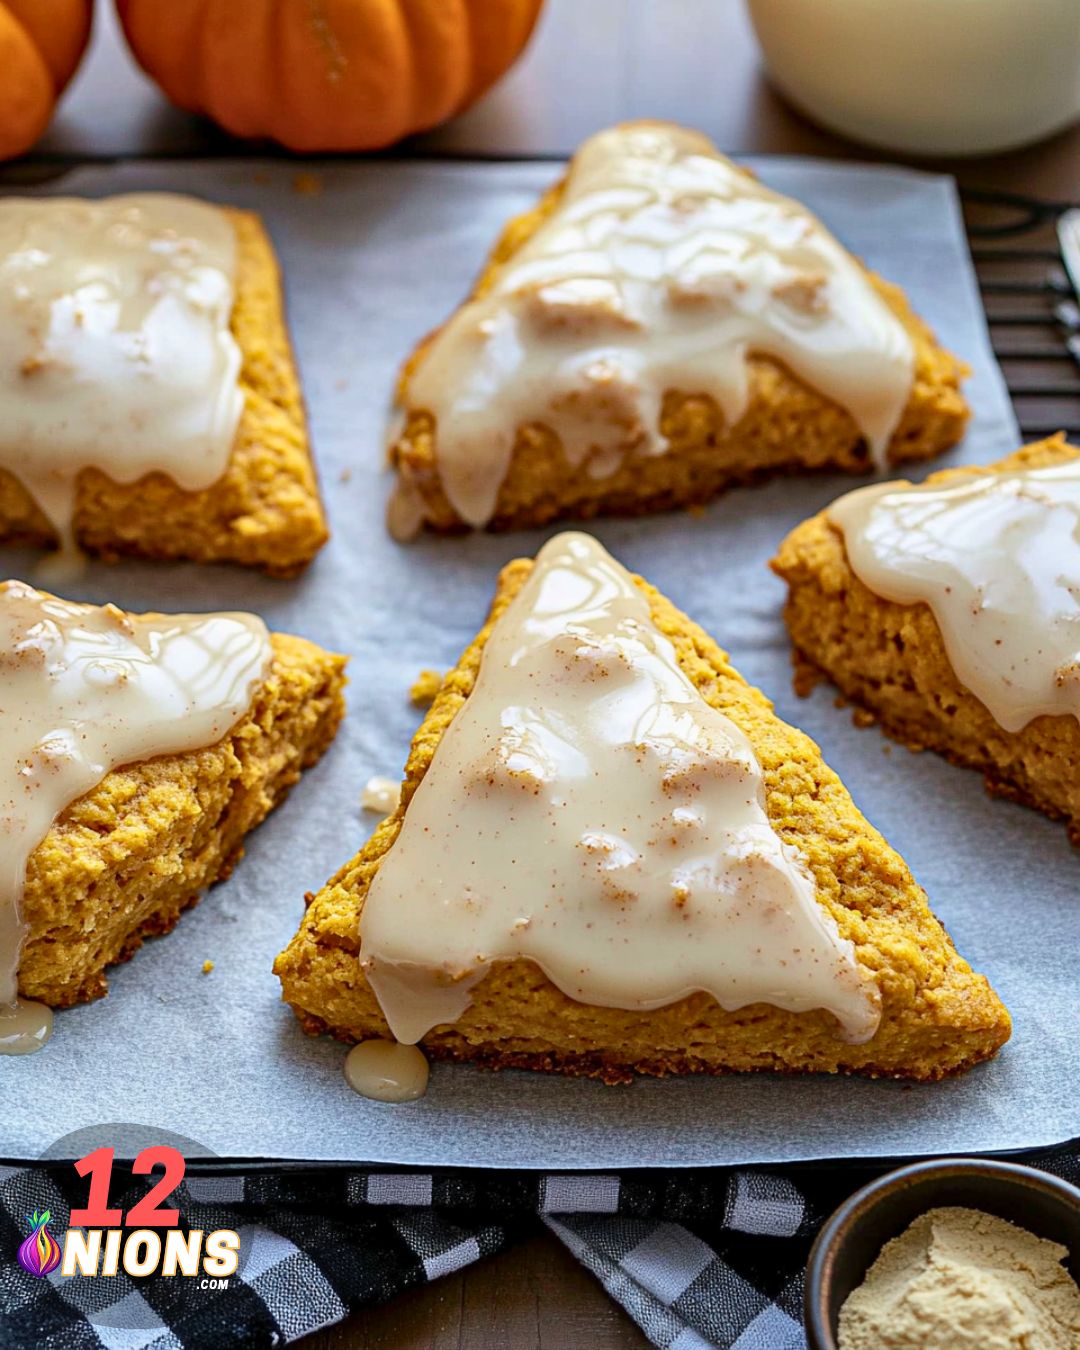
point(41, 43)
point(327, 74)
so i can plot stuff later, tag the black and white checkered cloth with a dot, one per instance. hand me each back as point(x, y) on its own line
point(697, 1258)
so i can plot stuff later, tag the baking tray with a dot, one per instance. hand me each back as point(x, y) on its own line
point(373, 259)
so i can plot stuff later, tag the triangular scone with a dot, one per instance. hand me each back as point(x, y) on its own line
point(124, 860)
point(890, 657)
point(264, 511)
point(700, 332)
point(937, 1017)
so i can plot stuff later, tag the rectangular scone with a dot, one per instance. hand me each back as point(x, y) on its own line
point(123, 862)
point(938, 1017)
point(786, 424)
point(890, 659)
point(264, 511)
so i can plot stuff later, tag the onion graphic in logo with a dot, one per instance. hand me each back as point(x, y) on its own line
point(40, 1253)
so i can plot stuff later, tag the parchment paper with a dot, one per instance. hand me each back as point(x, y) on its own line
point(376, 259)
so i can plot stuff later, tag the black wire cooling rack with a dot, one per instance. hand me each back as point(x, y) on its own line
point(1031, 304)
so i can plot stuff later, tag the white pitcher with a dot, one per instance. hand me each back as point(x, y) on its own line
point(951, 77)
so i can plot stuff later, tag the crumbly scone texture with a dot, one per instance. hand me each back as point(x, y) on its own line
point(787, 427)
point(890, 659)
point(265, 511)
point(126, 859)
point(938, 1016)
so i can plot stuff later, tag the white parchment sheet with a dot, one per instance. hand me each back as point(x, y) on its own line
point(372, 262)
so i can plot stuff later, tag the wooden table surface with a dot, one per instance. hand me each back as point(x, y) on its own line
point(591, 62)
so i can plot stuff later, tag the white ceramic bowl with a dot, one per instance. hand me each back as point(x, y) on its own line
point(948, 77)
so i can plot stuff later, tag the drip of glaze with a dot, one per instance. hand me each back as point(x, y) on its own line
point(661, 269)
point(64, 567)
point(387, 1071)
point(84, 689)
point(116, 351)
point(25, 1026)
point(404, 512)
point(381, 795)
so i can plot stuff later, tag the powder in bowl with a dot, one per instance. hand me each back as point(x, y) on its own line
point(957, 1278)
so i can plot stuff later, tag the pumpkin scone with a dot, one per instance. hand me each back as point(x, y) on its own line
point(660, 327)
point(950, 611)
point(151, 405)
point(139, 751)
point(611, 857)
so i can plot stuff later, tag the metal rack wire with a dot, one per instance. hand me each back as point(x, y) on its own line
point(1031, 305)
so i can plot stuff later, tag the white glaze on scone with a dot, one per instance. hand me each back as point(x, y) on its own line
point(85, 689)
point(662, 268)
point(997, 558)
point(587, 810)
point(115, 347)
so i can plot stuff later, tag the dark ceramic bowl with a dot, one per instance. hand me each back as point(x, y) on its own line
point(849, 1243)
